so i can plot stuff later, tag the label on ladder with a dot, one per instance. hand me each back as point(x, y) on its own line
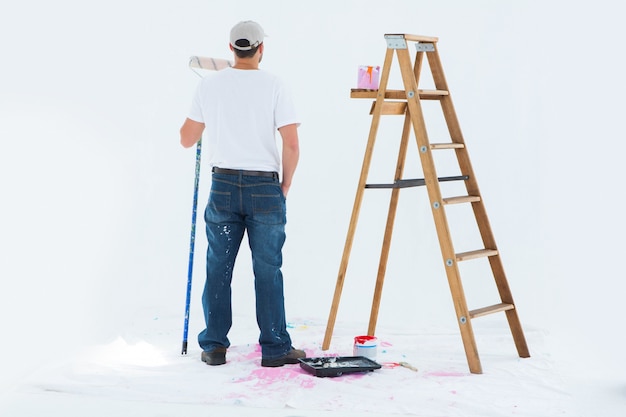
point(424, 47)
point(395, 41)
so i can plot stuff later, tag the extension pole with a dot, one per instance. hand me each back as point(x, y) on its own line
point(192, 244)
point(210, 64)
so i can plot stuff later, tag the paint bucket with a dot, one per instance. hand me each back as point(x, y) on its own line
point(365, 346)
point(368, 77)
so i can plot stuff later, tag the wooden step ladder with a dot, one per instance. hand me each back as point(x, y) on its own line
point(407, 102)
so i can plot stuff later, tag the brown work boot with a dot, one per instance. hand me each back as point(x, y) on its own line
point(215, 357)
point(290, 357)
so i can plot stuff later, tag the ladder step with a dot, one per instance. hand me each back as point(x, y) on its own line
point(436, 146)
point(391, 107)
point(432, 94)
point(397, 94)
point(475, 254)
point(496, 308)
point(461, 199)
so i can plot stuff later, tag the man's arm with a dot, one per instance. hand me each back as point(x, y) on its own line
point(191, 133)
point(291, 154)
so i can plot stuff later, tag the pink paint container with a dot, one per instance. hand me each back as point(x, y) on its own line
point(365, 346)
point(368, 77)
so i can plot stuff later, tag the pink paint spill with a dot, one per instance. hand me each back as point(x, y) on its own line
point(255, 354)
point(268, 376)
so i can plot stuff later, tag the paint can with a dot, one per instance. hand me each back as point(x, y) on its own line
point(368, 77)
point(365, 346)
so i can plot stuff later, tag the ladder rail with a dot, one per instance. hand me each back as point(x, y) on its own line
point(480, 212)
point(439, 215)
point(393, 205)
point(391, 216)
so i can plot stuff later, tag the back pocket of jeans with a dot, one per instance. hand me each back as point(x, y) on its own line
point(269, 208)
point(219, 200)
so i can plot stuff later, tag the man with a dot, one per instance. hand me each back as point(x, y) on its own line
point(241, 108)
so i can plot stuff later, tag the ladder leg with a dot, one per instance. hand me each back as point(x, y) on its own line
point(441, 222)
point(391, 216)
point(511, 315)
point(480, 213)
point(419, 57)
point(343, 266)
point(357, 201)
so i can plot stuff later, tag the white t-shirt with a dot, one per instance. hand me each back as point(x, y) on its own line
point(241, 110)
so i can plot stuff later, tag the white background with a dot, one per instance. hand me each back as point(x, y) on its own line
point(96, 191)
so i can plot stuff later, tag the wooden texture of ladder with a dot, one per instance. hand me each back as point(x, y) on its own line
point(407, 102)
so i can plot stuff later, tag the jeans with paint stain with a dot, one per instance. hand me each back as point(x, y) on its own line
point(239, 203)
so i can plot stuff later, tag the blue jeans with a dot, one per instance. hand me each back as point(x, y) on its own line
point(239, 203)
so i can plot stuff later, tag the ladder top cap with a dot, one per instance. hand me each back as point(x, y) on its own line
point(414, 38)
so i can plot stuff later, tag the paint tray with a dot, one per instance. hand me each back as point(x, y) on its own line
point(337, 365)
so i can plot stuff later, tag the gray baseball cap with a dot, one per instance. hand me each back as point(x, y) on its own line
point(248, 31)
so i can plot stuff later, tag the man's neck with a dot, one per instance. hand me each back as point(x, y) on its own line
point(246, 64)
